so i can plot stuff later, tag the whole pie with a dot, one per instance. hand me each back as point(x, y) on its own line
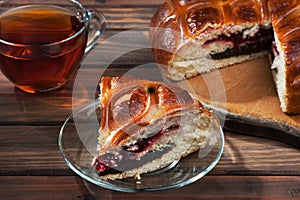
point(196, 36)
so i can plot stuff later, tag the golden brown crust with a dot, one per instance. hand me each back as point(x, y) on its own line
point(148, 125)
point(165, 36)
point(129, 104)
point(285, 18)
point(181, 20)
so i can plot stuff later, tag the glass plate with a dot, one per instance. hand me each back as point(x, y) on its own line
point(78, 146)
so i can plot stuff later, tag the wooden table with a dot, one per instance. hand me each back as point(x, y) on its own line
point(31, 166)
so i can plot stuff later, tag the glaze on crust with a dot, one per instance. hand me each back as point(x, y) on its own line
point(191, 19)
point(146, 125)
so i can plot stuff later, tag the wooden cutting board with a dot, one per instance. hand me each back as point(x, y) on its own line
point(244, 96)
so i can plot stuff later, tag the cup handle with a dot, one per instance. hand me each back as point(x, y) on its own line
point(96, 29)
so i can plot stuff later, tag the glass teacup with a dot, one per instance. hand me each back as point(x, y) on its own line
point(42, 43)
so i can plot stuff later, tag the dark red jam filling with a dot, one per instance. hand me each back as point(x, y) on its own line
point(125, 159)
point(273, 55)
point(274, 49)
point(262, 40)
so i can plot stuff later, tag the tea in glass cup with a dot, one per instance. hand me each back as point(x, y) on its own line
point(42, 44)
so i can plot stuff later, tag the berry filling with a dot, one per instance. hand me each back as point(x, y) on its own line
point(133, 156)
point(261, 40)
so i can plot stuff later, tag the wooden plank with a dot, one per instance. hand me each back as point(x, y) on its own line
point(122, 47)
point(33, 150)
point(18, 107)
point(121, 3)
point(30, 150)
point(249, 99)
point(244, 154)
point(210, 187)
point(128, 18)
point(125, 14)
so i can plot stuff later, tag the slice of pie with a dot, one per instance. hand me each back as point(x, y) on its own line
point(146, 126)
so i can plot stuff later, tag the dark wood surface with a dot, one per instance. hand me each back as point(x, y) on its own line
point(31, 166)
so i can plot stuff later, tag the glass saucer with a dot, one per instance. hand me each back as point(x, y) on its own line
point(78, 139)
